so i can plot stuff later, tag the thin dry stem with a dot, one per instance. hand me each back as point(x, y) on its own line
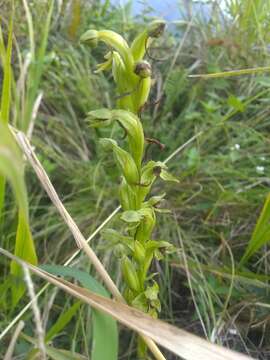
point(39, 328)
point(11, 346)
point(34, 115)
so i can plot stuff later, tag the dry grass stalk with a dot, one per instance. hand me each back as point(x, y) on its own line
point(37, 317)
point(11, 346)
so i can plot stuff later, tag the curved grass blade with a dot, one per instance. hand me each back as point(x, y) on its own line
point(52, 352)
point(261, 233)
point(62, 321)
point(24, 249)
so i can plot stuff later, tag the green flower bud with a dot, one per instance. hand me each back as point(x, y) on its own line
point(128, 199)
point(124, 196)
point(146, 226)
point(128, 295)
point(143, 69)
point(124, 161)
point(156, 28)
point(139, 252)
point(130, 274)
point(153, 313)
point(118, 43)
point(131, 123)
point(142, 41)
point(143, 92)
point(90, 37)
point(99, 118)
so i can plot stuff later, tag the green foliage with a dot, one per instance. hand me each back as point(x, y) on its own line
point(52, 352)
point(104, 327)
point(37, 65)
point(6, 88)
point(11, 167)
point(175, 86)
point(62, 321)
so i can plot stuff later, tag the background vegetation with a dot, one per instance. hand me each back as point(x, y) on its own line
point(216, 284)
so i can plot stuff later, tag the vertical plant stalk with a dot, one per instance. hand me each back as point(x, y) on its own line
point(135, 247)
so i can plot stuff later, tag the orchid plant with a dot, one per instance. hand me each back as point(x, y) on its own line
point(135, 247)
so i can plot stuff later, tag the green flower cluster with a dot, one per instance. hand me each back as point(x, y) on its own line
point(136, 248)
point(132, 74)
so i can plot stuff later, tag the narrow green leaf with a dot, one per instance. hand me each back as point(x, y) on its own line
point(261, 233)
point(60, 354)
point(2, 196)
point(124, 161)
point(5, 55)
point(6, 88)
point(37, 66)
point(11, 166)
point(24, 249)
point(105, 333)
point(55, 354)
point(62, 321)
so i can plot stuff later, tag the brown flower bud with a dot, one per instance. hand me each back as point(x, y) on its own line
point(143, 69)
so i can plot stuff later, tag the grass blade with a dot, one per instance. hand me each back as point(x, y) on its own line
point(261, 233)
point(62, 321)
point(11, 166)
point(6, 88)
point(5, 55)
point(53, 353)
point(232, 73)
point(24, 249)
point(37, 65)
